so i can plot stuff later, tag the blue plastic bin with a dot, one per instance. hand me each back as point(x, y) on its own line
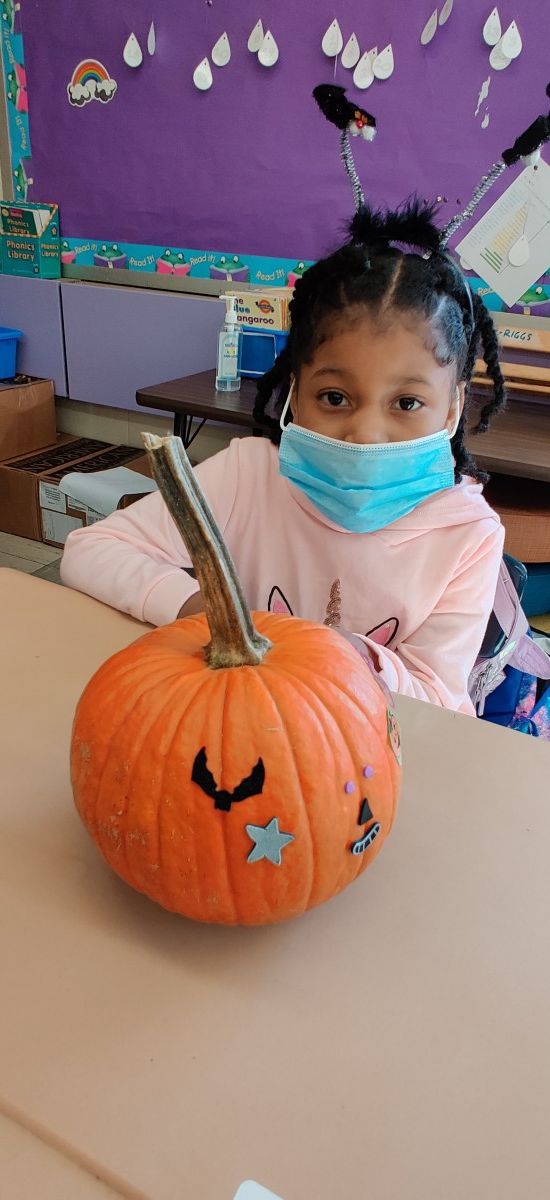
point(260, 348)
point(8, 351)
point(536, 598)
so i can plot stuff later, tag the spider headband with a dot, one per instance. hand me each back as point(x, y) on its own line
point(354, 121)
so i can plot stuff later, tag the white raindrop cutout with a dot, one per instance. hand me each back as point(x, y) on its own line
point(446, 12)
point(221, 51)
point(363, 75)
point(511, 44)
point(492, 29)
point(256, 38)
point(351, 53)
point(132, 54)
point(202, 76)
point(333, 41)
point(151, 40)
point(483, 93)
point(485, 121)
point(383, 64)
point(497, 60)
point(520, 253)
point(430, 29)
point(268, 53)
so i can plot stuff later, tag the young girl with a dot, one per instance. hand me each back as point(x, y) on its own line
point(369, 516)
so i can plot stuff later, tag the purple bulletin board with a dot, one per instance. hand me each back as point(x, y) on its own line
point(250, 167)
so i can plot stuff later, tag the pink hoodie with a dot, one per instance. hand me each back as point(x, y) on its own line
point(419, 592)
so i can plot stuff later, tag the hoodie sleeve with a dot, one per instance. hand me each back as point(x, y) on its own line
point(435, 661)
point(135, 560)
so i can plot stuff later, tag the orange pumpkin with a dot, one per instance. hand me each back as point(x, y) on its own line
point(240, 780)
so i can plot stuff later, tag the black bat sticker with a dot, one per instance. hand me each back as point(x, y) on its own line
point(253, 785)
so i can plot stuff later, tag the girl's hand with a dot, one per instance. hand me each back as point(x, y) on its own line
point(191, 607)
point(361, 648)
point(371, 661)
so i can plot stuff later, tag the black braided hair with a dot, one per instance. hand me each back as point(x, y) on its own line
point(490, 348)
point(368, 272)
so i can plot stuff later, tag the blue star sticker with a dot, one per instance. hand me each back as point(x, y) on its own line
point(268, 842)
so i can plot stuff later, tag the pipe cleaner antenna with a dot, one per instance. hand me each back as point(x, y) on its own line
point(352, 121)
point(526, 148)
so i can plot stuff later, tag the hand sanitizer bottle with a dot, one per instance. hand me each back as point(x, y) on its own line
point(228, 376)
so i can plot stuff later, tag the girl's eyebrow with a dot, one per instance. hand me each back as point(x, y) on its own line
point(397, 380)
point(332, 371)
point(416, 379)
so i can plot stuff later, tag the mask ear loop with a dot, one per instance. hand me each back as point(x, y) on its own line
point(471, 312)
point(282, 421)
point(452, 431)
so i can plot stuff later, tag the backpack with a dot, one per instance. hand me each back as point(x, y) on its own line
point(510, 682)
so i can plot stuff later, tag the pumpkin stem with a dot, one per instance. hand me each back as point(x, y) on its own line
point(234, 640)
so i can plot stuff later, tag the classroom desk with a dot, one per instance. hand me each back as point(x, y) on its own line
point(30, 1169)
point(518, 442)
point(194, 398)
point(393, 1044)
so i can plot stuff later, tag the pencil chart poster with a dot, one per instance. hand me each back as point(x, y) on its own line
point(511, 242)
point(181, 138)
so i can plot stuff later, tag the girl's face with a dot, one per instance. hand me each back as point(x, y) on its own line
point(370, 385)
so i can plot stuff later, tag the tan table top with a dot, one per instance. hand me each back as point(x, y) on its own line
point(394, 1044)
point(30, 1169)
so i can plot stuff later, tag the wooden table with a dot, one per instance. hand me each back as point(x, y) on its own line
point(194, 398)
point(518, 442)
point(393, 1044)
point(30, 1169)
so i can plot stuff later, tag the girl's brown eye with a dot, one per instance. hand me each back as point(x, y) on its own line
point(408, 404)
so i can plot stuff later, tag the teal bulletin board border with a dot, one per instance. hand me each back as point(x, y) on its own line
point(15, 88)
point(182, 261)
point(266, 272)
point(221, 266)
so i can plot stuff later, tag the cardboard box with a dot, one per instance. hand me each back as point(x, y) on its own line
point(267, 309)
point(27, 416)
point(32, 504)
point(29, 236)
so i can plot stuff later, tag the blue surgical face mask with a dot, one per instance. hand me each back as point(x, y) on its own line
point(365, 488)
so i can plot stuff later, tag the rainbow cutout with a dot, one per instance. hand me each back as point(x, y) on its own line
point(88, 70)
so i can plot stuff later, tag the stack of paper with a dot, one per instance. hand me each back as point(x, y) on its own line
point(102, 490)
